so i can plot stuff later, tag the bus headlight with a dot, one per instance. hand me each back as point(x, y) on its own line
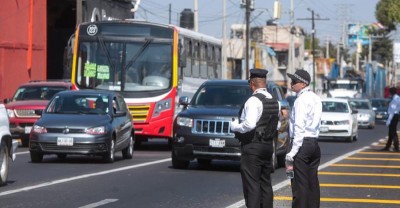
point(162, 105)
point(183, 121)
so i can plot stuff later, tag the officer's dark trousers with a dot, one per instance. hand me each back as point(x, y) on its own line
point(255, 166)
point(305, 184)
point(393, 133)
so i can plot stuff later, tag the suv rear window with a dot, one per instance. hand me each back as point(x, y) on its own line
point(218, 95)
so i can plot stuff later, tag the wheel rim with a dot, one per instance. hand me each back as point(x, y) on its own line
point(3, 163)
point(131, 146)
point(112, 150)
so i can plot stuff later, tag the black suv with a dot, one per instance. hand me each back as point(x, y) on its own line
point(202, 128)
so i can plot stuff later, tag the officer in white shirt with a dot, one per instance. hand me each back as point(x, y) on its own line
point(256, 132)
point(304, 151)
point(393, 119)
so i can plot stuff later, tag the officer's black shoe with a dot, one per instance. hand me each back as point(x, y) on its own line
point(385, 149)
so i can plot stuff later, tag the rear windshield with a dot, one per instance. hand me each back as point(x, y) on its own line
point(37, 92)
point(217, 95)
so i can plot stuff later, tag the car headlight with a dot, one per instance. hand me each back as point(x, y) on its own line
point(96, 130)
point(162, 106)
point(182, 121)
point(39, 129)
point(367, 116)
point(345, 122)
point(10, 113)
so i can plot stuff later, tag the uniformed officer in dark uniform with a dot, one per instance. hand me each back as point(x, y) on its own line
point(304, 151)
point(256, 130)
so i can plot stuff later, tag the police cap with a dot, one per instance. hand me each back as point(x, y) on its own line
point(258, 73)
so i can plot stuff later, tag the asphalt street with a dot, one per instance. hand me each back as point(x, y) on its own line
point(351, 175)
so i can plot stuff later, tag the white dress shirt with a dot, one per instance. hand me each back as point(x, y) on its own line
point(394, 108)
point(251, 113)
point(305, 118)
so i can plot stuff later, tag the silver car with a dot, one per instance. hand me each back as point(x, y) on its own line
point(366, 115)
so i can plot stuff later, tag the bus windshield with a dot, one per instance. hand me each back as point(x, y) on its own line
point(139, 65)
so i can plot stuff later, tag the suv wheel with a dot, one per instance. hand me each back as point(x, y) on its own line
point(4, 162)
point(109, 156)
point(274, 158)
point(179, 164)
point(127, 153)
point(36, 157)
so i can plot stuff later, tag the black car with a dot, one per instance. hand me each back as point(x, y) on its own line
point(88, 122)
point(380, 106)
point(202, 128)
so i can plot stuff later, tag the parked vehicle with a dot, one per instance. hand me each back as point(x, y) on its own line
point(366, 115)
point(202, 128)
point(8, 146)
point(87, 122)
point(28, 99)
point(338, 119)
point(380, 106)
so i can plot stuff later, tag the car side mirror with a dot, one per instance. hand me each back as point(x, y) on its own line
point(184, 100)
point(354, 111)
point(6, 100)
point(39, 112)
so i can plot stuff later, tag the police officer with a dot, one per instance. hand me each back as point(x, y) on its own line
point(256, 131)
point(304, 151)
point(393, 119)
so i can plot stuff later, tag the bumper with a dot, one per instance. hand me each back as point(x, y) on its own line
point(335, 131)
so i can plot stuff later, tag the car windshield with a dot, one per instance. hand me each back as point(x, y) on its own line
point(384, 103)
point(227, 95)
point(331, 106)
point(37, 92)
point(78, 104)
point(360, 104)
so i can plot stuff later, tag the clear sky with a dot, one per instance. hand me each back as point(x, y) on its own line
point(211, 14)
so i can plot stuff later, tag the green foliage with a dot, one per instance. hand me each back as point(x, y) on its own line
point(388, 13)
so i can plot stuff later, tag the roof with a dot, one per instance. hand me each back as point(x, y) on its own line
point(343, 100)
point(226, 82)
point(88, 92)
point(47, 83)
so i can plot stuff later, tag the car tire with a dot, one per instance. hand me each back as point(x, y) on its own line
point(204, 162)
point(127, 153)
point(36, 157)
point(25, 142)
point(4, 162)
point(178, 164)
point(274, 158)
point(109, 156)
point(350, 139)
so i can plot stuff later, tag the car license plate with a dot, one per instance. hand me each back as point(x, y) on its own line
point(378, 116)
point(324, 129)
point(219, 143)
point(65, 141)
point(28, 129)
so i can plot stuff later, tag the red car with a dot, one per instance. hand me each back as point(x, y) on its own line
point(29, 99)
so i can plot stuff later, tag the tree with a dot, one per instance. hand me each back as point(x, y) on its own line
point(387, 13)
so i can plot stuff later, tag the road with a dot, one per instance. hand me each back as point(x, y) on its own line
point(148, 180)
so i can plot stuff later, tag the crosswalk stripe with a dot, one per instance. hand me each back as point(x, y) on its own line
point(365, 166)
point(373, 158)
point(324, 199)
point(379, 153)
point(359, 174)
point(358, 186)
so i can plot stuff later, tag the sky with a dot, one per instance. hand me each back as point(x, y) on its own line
point(211, 14)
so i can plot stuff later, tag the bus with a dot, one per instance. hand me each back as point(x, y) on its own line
point(150, 64)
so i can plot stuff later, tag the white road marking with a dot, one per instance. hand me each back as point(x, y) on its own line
point(21, 153)
point(285, 183)
point(100, 203)
point(27, 188)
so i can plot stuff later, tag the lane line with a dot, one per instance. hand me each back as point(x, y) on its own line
point(358, 186)
point(373, 158)
point(100, 203)
point(27, 188)
point(374, 201)
point(366, 166)
point(285, 183)
point(359, 174)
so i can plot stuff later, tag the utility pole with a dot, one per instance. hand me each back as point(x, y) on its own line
point(223, 54)
point(247, 36)
point(313, 41)
point(327, 47)
point(196, 16)
point(169, 17)
point(291, 41)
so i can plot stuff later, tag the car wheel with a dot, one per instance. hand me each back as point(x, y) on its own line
point(61, 156)
point(350, 139)
point(36, 157)
point(204, 162)
point(109, 156)
point(274, 159)
point(127, 153)
point(178, 164)
point(4, 162)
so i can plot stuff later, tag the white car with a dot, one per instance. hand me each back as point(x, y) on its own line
point(8, 146)
point(338, 119)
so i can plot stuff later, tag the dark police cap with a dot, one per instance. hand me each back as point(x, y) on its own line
point(300, 76)
point(258, 73)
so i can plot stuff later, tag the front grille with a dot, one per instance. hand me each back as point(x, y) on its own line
point(139, 112)
point(64, 130)
point(324, 122)
point(219, 150)
point(76, 147)
point(202, 126)
point(26, 113)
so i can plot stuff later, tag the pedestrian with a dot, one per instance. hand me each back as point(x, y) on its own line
point(256, 129)
point(393, 119)
point(304, 151)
